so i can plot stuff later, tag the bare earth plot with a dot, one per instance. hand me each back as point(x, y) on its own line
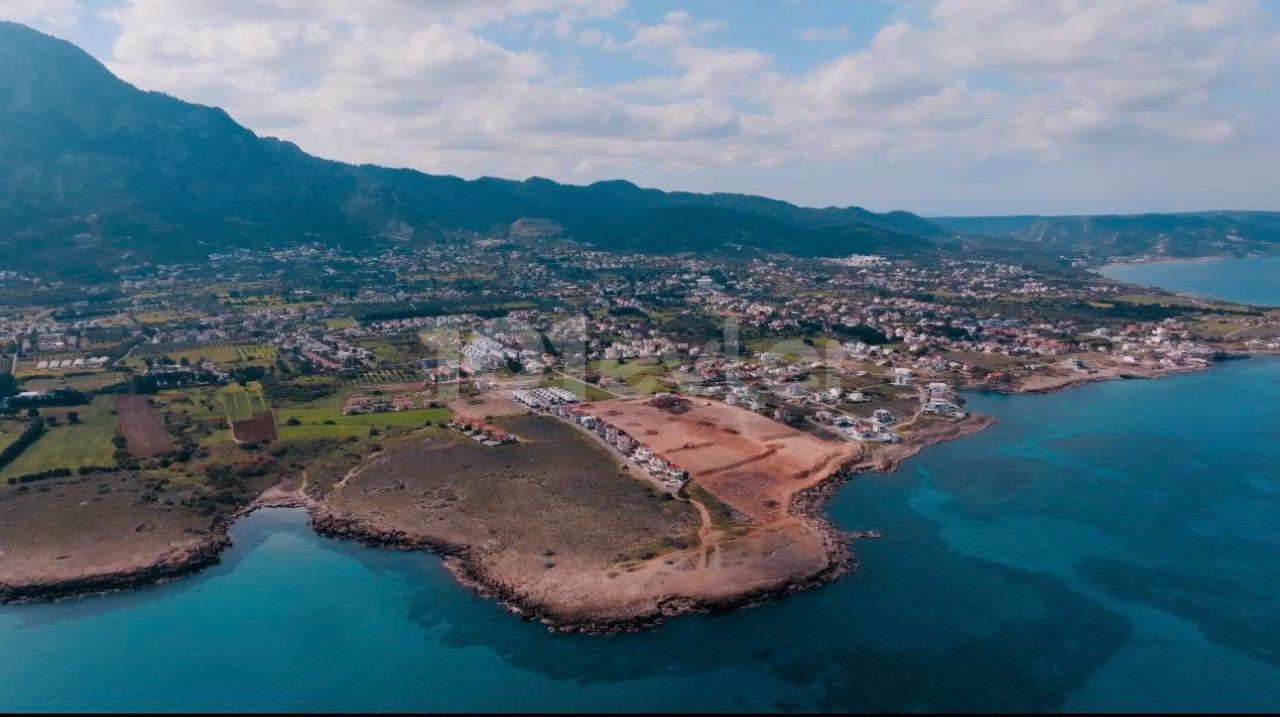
point(755, 466)
point(141, 427)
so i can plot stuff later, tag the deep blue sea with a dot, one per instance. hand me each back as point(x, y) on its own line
point(1111, 547)
point(1245, 280)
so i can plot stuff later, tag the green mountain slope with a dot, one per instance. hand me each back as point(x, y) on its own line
point(95, 173)
point(1175, 235)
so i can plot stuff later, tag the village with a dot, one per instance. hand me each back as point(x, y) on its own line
point(856, 348)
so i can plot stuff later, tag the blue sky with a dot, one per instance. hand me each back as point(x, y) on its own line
point(936, 106)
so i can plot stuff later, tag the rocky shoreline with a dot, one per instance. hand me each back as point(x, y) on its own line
point(469, 573)
point(807, 505)
point(174, 565)
point(178, 563)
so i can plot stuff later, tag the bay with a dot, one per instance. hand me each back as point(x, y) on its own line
point(1246, 280)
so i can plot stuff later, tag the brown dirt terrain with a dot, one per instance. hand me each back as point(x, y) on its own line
point(141, 428)
point(97, 532)
point(544, 523)
point(756, 467)
point(261, 427)
point(487, 405)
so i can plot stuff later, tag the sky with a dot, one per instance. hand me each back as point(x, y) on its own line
point(933, 106)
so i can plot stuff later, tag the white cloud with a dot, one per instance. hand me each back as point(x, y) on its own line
point(45, 14)
point(430, 84)
point(1004, 75)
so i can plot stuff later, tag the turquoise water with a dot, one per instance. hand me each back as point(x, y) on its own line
point(1248, 281)
point(1116, 546)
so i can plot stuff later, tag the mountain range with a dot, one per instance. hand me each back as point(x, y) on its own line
point(1185, 234)
point(96, 173)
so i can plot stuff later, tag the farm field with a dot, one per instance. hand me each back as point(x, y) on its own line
point(224, 353)
point(382, 376)
point(9, 432)
point(642, 376)
point(795, 349)
point(198, 403)
point(381, 348)
point(87, 443)
point(393, 418)
point(249, 413)
point(141, 428)
point(240, 404)
point(85, 382)
point(312, 422)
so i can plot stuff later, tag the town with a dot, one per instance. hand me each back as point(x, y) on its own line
point(336, 343)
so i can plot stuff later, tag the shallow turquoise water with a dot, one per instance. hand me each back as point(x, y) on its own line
point(1112, 547)
point(1249, 280)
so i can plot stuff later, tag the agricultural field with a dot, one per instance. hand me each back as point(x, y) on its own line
point(200, 403)
point(84, 381)
point(9, 432)
point(1219, 326)
point(231, 355)
point(241, 404)
point(381, 348)
point(796, 350)
point(87, 443)
point(160, 316)
point(340, 322)
point(328, 422)
point(373, 378)
point(145, 434)
point(642, 376)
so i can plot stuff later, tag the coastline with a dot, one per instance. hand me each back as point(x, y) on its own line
point(1101, 270)
point(174, 564)
point(807, 505)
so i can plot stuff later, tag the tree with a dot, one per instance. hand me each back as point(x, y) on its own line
point(74, 416)
point(8, 385)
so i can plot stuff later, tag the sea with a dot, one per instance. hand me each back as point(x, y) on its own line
point(1245, 280)
point(1115, 546)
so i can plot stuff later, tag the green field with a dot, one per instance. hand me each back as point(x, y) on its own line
point(219, 351)
point(795, 349)
point(86, 383)
point(9, 432)
point(373, 378)
point(313, 421)
point(642, 376)
point(242, 404)
point(381, 348)
point(71, 446)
